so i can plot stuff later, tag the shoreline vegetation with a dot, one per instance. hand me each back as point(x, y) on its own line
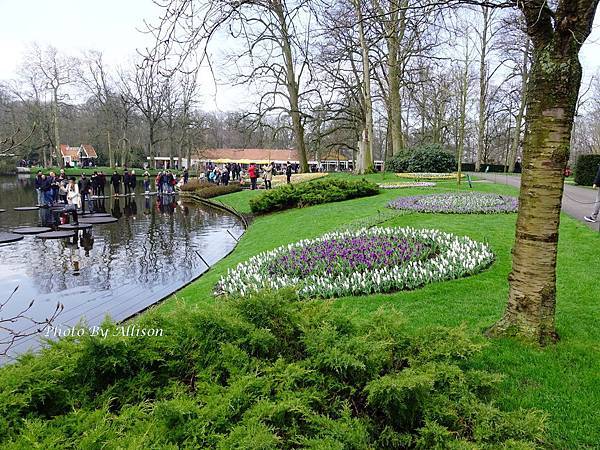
point(556, 385)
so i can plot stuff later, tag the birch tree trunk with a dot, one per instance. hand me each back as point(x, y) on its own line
point(552, 92)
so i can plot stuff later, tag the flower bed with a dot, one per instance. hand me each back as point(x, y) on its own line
point(429, 176)
point(391, 185)
point(458, 203)
point(366, 261)
point(298, 178)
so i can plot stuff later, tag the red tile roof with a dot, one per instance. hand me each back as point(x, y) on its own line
point(91, 152)
point(73, 152)
point(256, 155)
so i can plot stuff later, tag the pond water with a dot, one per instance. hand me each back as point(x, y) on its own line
point(157, 246)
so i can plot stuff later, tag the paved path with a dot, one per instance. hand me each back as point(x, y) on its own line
point(577, 201)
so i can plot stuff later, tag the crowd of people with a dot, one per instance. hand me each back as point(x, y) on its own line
point(234, 172)
point(78, 194)
point(59, 189)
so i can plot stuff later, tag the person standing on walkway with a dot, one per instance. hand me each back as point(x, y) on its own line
point(115, 180)
point(85, 190)
point(132, 181)
point(252, 173)
point(225, 176)
point(47, 189)
point(39, 182)
point(594, 217)
point(126, 183)
point(288, 172)
point(268, 175)
point(73, 200)
point(101, 183)
point(94, 183)
point(54, 188)
point(62, 190)
point(146, 177)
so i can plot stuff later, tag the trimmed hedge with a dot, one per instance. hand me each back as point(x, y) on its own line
point(311, 193)
point(428, 158)
point(215, 191)
point(586, 169)
point(264, 372)
point(209, 190)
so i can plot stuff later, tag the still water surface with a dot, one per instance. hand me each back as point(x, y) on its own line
point(124, 267)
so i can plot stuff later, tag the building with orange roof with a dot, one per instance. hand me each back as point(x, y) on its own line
point(84, 155)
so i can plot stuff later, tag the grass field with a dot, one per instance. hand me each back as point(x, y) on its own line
point(562, 380)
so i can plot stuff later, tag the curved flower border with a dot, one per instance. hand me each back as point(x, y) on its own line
point(430, 175)
point(474, 203)
point(406, 185)
point(456, 257)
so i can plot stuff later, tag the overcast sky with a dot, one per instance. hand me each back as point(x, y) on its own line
point(111, 27)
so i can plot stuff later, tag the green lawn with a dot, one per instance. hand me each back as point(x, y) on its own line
point(561, 380)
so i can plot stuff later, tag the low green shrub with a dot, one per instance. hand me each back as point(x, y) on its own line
point(399, 162)
point(262, 372)
point(209, 190)
point(215, 191)
point(586, 169)
point(431, 158)
point(311, 193)
point(195, 184)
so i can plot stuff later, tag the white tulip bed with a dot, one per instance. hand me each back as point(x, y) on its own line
point(361, 262)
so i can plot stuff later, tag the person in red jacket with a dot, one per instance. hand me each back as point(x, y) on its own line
point(253, 174)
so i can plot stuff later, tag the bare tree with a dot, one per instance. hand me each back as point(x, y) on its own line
point(57, 71)
point(9, 336)
point(146, 89)
point(365, 153)
point(98, 83)
point(275, 52)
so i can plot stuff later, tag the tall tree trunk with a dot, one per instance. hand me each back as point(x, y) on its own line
point(151, 146)
point(189, 156)
point(512, 157)
point(292, 86)
point(366, 159)
point(395, 33)
point(111, 159)
point(464, 88)
point(61, 161)
point(389, 148)
point(551, 100)
point(483, 81)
